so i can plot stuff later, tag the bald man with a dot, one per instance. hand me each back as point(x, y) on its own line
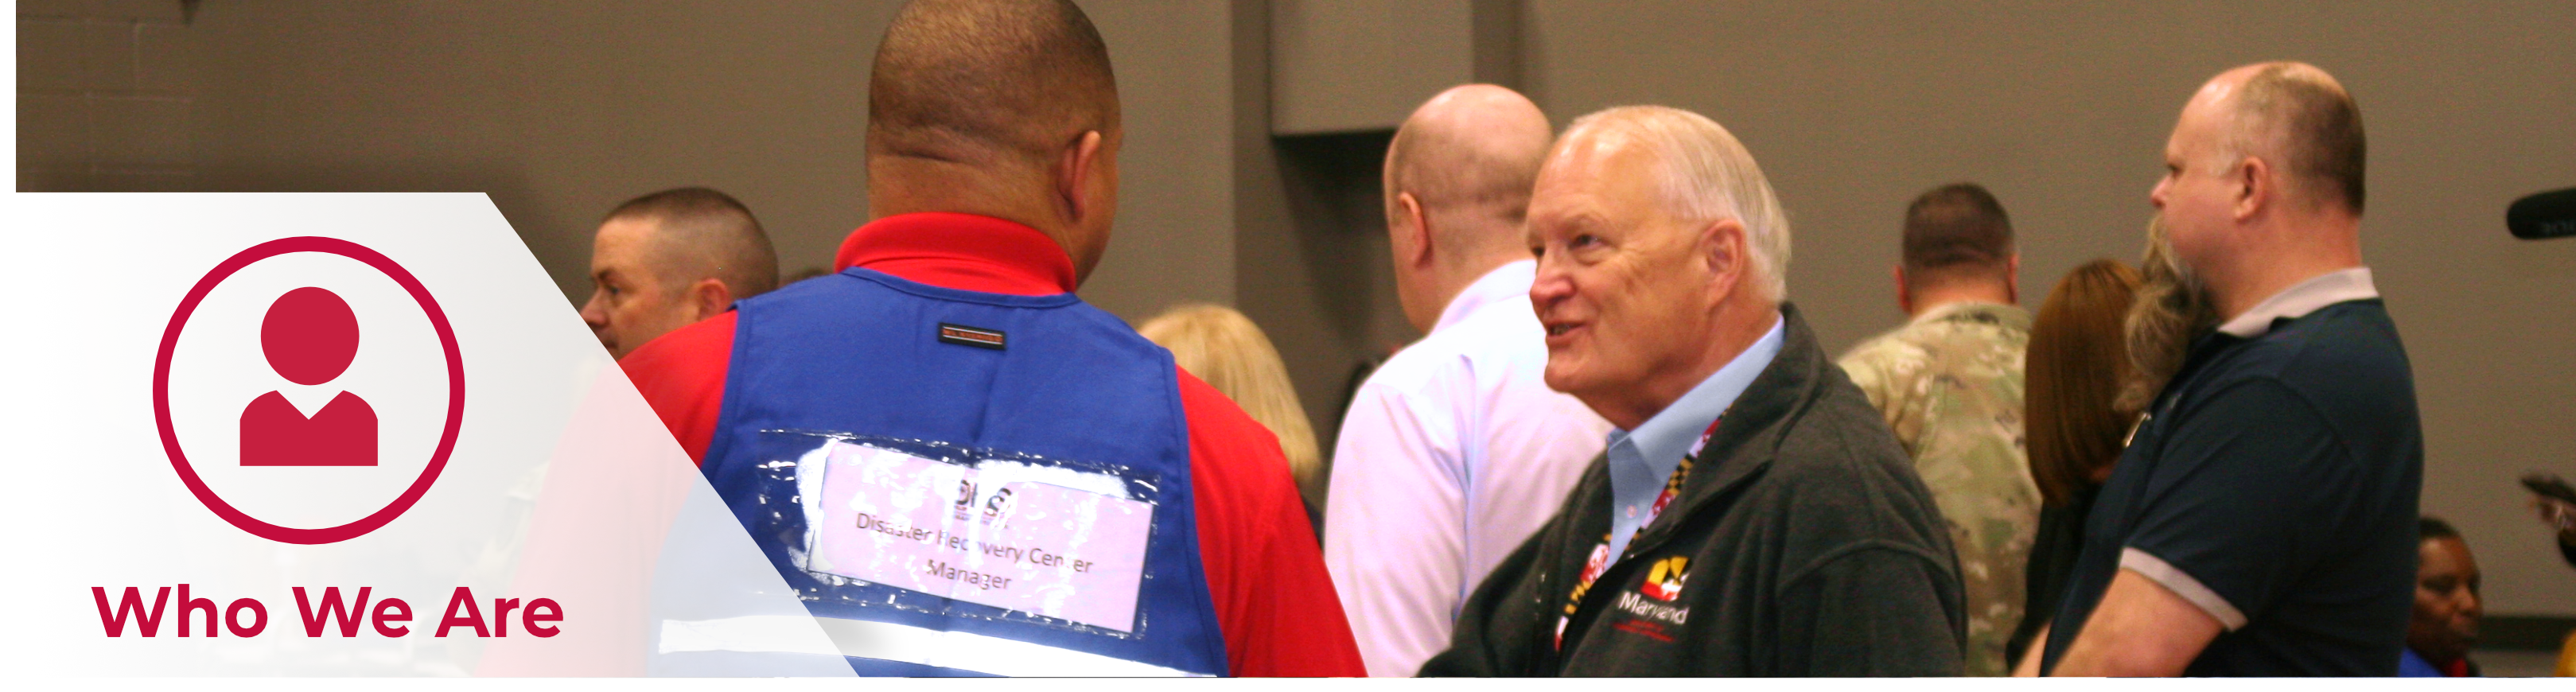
point(670, 258)
point(2262, 520)
point(1455, 450)
point(1111, 514)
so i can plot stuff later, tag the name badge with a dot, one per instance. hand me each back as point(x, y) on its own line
point(1045, 540)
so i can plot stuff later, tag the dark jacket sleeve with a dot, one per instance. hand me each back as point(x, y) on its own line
point(1872, 610)
point(1499, 623)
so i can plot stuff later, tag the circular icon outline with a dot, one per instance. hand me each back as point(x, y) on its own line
point(437, 458)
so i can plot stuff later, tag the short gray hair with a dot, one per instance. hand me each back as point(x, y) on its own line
point(1707, 175)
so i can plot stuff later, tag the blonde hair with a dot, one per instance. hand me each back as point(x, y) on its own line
point(2171, 310)
point(1227, 350)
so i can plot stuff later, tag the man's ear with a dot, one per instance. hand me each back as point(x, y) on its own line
point(1904, 292)
point(709, 297)
point(1415, 248)
point(1722, 246)
point(2256, 187)
point(1074, 168)
point(2012, 278)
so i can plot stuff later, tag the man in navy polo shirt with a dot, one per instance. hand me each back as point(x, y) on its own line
point(2261, 522)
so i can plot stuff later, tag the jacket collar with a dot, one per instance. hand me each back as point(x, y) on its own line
point(1641, 459)
point(2009, 316)
point(960, 251)
point(1749, 437)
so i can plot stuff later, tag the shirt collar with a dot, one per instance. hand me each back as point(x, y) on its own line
point(2007, 315)
point(1506, 282)
point(1642, 459)
point(2299, 300)
point(961, 251)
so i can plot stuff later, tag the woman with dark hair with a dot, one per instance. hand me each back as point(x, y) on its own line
point(2076, 368)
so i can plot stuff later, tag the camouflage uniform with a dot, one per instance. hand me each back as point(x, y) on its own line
point(1950, 384)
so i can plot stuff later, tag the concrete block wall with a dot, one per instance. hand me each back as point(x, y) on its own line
point(105, 89)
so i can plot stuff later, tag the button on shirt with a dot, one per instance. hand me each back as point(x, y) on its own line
point(1642, 459)
point(1451, 455)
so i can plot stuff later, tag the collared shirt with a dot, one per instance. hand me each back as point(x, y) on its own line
point(1265, 575)
point(2273, 488)
point(1451, 455)
point(2291, 303)
point(1643, 459)
point(2299, 300)
point(1502, 285)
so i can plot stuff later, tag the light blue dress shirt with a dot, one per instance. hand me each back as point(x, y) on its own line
point(1643, 459)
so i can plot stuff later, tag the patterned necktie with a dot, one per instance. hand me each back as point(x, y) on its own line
point(1599, 563)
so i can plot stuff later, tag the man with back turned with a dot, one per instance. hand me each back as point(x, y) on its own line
point(1950, 384)
point(952, 332)
point(1455, 450)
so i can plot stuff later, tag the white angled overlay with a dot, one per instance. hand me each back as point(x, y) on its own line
point(307, 512)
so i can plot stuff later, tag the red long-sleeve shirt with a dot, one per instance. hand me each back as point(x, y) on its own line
point(1266, 575)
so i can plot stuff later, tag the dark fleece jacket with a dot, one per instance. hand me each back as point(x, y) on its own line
point(1806, 546)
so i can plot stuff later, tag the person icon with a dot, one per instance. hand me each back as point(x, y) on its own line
point(310, 336)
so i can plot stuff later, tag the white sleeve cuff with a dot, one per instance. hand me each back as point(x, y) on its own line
point(2174, 579)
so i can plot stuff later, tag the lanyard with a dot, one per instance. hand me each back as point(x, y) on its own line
point(1599, 562)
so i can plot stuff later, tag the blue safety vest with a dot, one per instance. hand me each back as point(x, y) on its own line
point(865, 353)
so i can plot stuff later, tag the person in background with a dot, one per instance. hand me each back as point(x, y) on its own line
point(1224, 348)
point(1752, 515)
point(668, 259)
point(2260, 522)
point(1454, 450)
point(2077, 366)
point(1949, 383)
point(671, 259)
point(2447, 606)
point(992, 145)
point(2560, 516)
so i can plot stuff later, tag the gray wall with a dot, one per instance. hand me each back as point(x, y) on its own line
point(560, 109)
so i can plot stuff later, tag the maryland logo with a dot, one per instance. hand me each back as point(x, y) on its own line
point(1664, 580)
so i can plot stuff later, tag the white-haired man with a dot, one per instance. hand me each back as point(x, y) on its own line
point(1753, 515)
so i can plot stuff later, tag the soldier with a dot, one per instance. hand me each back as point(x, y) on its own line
point(1950, 384)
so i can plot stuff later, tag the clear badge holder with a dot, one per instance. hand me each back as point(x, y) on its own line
point(927, 527)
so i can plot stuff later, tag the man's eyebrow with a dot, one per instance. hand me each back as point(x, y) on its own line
point(1581, 221)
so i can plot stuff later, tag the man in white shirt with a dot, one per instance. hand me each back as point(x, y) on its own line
point(1455, 450)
